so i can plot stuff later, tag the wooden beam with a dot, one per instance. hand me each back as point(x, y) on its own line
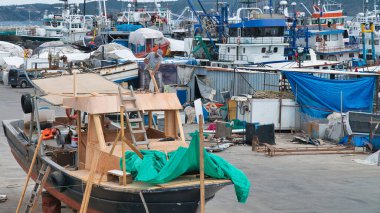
point(201, 165)
point(87, 192)
point(79, 133)
point(171, 129)
point(150, 119)
point(99, 132)
point(75, 84)
point(122, 145)
point(29, 173)
point(156, 89)
point(179, 123)
point(43, 182)
point(110, 153)
point(133, 148)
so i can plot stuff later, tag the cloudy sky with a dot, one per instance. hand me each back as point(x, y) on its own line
point(13, 2)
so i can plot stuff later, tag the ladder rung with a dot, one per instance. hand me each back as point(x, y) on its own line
point(142, 142)
point(134, 120)
point(128, 98)
point(138, 131)
point(132, 109)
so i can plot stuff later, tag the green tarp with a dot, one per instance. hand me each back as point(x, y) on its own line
point(156, 169)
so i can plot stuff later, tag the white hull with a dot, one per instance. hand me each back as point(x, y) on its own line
point(119, 73)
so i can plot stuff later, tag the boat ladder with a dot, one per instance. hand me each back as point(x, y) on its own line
point(138, 119)
point(37, 190)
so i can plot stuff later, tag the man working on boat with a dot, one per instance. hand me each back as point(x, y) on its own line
point(152, 64)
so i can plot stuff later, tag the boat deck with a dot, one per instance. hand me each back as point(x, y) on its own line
point(182, 181)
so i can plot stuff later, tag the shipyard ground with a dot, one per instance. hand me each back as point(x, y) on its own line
point(319, 183)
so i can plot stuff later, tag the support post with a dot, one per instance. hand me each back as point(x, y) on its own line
point(29, 173)
point(179, 123)
point(150, 119)
point(122, 145)
point(90, 181)
point(201, 166)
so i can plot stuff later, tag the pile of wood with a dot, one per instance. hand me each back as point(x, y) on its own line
point(271, 151)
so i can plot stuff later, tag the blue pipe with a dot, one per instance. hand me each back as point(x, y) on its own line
point(373, 46)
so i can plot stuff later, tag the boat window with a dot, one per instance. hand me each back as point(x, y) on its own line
point(263, 50)
point(239, 31)
point(351, 55)
point(325, 37)
point(334, 37)
point(263, 32)
point(345, 34)
point(233, 32)
point(376, 42)
point(275, 49)
point(243, 50)
point(228, 49)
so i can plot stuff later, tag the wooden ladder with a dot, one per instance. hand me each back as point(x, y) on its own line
point(40, 182)
point(139, 120)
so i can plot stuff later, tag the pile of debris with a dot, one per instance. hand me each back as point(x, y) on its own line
point(273, 95)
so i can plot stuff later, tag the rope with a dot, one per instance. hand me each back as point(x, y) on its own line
point(144, 203)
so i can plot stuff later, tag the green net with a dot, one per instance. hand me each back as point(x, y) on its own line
point(155, 168)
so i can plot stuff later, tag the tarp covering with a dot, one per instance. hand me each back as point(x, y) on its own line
point(139, 36)
point(318, 97)
point(156, 169)
point(176, 45)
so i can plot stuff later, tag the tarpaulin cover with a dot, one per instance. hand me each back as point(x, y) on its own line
point(154, 168)
point(318, 97)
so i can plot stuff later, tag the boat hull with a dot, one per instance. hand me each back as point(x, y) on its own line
point(70, 189)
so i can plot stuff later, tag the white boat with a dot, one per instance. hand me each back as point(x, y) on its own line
point(120, 72)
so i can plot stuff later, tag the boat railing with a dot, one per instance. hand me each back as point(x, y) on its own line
point(225, 57)
point(256, 40)
point(331, 49)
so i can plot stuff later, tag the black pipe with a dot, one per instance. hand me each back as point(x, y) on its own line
point(84, 7)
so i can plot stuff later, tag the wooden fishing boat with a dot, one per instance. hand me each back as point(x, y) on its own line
point(88, 171)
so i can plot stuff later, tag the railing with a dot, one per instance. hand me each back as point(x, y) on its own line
point(223, 57)
point(327, 49)
point(259, 40)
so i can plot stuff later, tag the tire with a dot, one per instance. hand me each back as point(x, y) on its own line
point(23, 84)
point(13, 86)
point(27, 103)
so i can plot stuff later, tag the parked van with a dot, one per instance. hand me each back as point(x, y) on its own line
point(17, 77)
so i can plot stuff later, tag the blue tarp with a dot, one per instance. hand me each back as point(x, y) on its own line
point(362, 140)
point(319, 97)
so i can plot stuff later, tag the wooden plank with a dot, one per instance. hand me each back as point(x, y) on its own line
point(201, 165)
point(122, 145)
point(179, 123)
point(79, 133)
point(29, 173)
point(43, 182)
point(156, 89)
point(99, 132)
point(75, 84)
point(110, 154)
point(150, 119)
point(133, 148)
point(157, 102)
point(87, 193)
point(171, 129)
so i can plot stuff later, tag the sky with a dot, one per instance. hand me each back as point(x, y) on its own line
point(17, 2)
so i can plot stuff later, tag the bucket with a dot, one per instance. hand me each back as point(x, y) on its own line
point(74, 140)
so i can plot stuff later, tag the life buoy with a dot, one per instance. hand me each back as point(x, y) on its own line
point(238, 41)
point(71, 115)
point(224, 40)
